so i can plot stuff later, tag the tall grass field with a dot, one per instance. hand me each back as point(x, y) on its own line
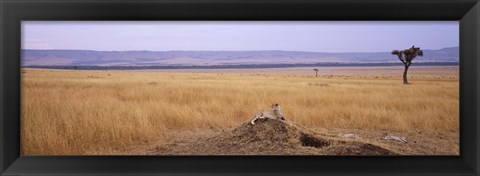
point(77, 112)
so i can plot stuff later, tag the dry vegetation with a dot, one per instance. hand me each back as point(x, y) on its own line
point(103, 112)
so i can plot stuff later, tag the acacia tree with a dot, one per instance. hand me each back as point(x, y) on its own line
point(316, 72)
point(407, 56)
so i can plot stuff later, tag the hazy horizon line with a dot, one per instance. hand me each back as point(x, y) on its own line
point(224, 50)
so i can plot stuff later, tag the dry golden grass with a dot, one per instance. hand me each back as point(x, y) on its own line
point(97, 112)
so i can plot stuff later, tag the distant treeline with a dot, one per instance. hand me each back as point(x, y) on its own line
point(246, 66)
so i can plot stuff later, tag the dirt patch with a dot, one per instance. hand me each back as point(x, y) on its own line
point(360, 149)
point(265, 130)
point(267, 137)
point(312, 141)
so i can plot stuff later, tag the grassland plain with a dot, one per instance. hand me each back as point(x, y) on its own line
point(80, 112)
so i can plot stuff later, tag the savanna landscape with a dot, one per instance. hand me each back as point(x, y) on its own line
point(161, 88)
point(342, 111)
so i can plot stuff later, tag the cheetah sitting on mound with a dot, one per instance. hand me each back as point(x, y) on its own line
point(269, 114)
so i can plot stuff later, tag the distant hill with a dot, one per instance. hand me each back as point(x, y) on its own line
point(211, 58)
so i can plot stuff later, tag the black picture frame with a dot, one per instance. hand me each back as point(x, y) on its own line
point(12, 12)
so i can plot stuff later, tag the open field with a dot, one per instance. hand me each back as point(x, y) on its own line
point(76, 112)
point(364, 70)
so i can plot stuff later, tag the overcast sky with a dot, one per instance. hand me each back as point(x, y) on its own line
point(320, 36)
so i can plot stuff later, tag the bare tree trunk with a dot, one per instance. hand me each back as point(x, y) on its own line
point(405, 81)
point(316, 74)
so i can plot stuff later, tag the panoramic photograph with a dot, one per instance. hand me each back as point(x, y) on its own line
point(159, 88)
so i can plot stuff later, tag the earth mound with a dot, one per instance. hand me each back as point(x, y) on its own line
point(271, 137)
point(276, 137)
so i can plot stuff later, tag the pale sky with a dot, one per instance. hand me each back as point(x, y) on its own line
point(317, 36)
